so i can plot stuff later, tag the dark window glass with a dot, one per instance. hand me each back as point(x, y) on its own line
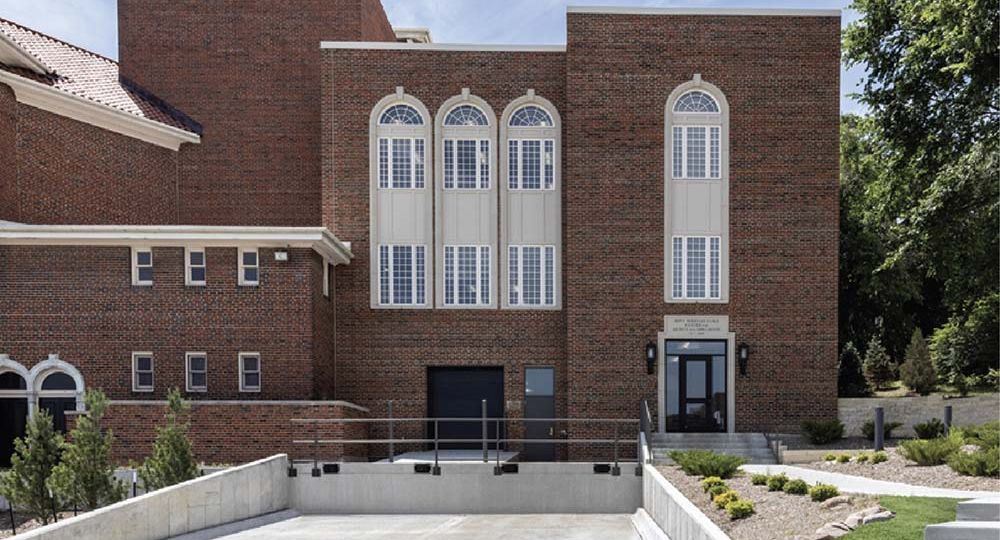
point(251, 380)
point(197, 274)
point(695, 379)
point(144, 363)
point(197, 380)
point(249, 258)
point(250, 363)
point(144, 257)
point(197, 363)
point(539, 382)
point(145, 379)
point(11, 381)
point(249, 274)
point(58, 381)
point(197, 258)
point(696, 347)
point(146, 274)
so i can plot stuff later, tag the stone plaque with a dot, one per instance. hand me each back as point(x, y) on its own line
point(696, 326)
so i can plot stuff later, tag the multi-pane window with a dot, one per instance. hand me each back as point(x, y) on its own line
point(249, 267)
point(696, 267)
point(142, 372)
point(531, 116)
point(467, 275)
point(696, 152)
point(531, 275)
point(249, 372)
point(466, 163)
point(402, 271)
point(142, 266)
point(531, 163)
point(466, 115)
point(400, 162)
point(401, 115)
point(195, 265)
point(197, 371)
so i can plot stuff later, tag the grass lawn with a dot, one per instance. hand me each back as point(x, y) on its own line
point(896, 389)
point(912, 515)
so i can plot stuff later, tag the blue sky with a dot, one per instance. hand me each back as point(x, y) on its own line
point(92, 24)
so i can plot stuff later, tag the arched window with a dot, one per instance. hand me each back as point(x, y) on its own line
point(531, 116)
point(696, 137)
point(12, 381)
point(466, 115)
point(58, 381)
point(531, 155)
point(400, 153)
point(401, 115)
point(696, 101)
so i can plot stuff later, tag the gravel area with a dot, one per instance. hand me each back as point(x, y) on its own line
point(798, 442)
point(898, 469)
point(778, 515)
point(24, 522)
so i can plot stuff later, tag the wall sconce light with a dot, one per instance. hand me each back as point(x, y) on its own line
point(650, 358)
point(281, 255)
point(743, 354)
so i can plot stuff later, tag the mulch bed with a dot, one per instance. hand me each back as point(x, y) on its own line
point(898, 469)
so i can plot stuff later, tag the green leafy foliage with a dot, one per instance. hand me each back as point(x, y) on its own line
point(710, 482)
point(851, 380)
point(929, 452)
point(830, 457)
point(868, 429)
point(918, 372)
point(723, 499)
point(982, 462)
point(716, 490)
point(823, 431)
point(35, 455)
point(706, 463)
point(879, 457)
point(879, 369)
point(796, 487)
point(822, 492)
point(172, 461)
point(985, 435)
point(843, 458)
point(759, 479)
point(863, 457)
point(930, 429)
point(740, 509)
point(776, 482)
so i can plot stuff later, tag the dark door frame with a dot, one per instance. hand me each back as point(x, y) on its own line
point(682, 390)
point(537, 430)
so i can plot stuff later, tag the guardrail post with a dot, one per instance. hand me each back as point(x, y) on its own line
point(436, 471)
point(316, 472)
point(486, 452)
point(616, 470)
point(13, 524)
point(497, 469)
point(879, 426)
point(392, 448)
point(947, 419)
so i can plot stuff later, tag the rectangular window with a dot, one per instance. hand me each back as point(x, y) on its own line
point(696, 267)
point(696, 152)
point(678, 152)
point(695, 158)
point(467, 275)
point(531, 163)
point(249, 267)
point(714, 161)
point(142, 372)
point(466, 164)
point(250, 372)
point(142, 266)
point(532, 275)
point(197, 371)
point(400, 163)
point(195, 266)
point(401, 275)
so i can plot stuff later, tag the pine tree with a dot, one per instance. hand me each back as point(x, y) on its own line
point(172, 461)
point(85, 476)
point(918, 371)
point(35, 455)
point(851, 380)
point(878, 365)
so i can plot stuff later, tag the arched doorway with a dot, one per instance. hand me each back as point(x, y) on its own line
point(13, 411)
point(57, 394)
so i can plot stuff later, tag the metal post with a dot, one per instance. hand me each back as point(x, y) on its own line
point(316, 472)
point(486, 452)
point(497, 469)
point(947, 419)
point(436, 471)
point(55, 515)
point(616, 470)
point(135, 483)
point(392, 447)
point(879, 426)
point(13, 524)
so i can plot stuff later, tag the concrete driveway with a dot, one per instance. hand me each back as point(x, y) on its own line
point(465, 527)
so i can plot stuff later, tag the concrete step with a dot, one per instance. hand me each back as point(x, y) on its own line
point(963, 530)
point(987, 509)
point(646, 527)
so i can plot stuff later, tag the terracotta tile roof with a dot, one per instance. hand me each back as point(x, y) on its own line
point(89, 75)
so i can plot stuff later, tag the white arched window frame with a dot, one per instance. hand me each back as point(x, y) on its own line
point(400, 192)
point(35, 378)
point(466, 188)
point(531, 173)
point(696, 206)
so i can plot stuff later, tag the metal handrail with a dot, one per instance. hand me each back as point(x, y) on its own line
point(459, 419)
point(646, 428)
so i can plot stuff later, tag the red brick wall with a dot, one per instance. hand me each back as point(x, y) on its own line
point(384, 354)
point(780, 76)
point(78, 302)
point(230, 432)
point(249, 73)
point(8, 155)
point(324, 334)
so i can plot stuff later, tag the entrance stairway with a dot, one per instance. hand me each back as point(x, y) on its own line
point(978, 519)
point(752, 446)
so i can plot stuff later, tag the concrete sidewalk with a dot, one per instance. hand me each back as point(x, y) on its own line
point(465, 527)
point(859, 484)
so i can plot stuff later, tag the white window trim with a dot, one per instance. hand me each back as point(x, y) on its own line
point(708, 150)
point(414, 166)
point(135, 371)
point(187, 372)
point(708, 268)
point(260, 370)
point(244, 282)
point(135, 266)
point(413, 278)
point(519, 166)
point(188, 266)
point(479, 276)
point(519, 291)
point(479, 169)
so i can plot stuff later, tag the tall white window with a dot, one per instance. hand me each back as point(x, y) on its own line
point(696, 267)
point(142, 372)
point(249, 372)
point(197, 371)
point(400, 158)
point(696, 145)
point(466, 164)
point(467, 275)
point(402, 275)
point(249, 267)
point(531, 162)
point(142, 266)
point(194, 263)
point(531, 275)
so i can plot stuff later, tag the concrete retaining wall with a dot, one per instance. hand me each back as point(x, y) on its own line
point(854, 412)
point(231, 495)
point(466, 488)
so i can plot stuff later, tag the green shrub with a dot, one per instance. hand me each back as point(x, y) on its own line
point(878, 367)
point(822, 492)
point(985, 435)
point(796, 487)
point(172, 461)
point(35, 455)
point(984, 462)
point(823, 431)
point(879, 457)
point(917, 372)
point(706, 463)
point(830, 457)
point(930, 451)
point(930, 429)
point(715, 491)
point(868, 429)
point(776, 482)
point(851, 380)
point(843, 458)
point(711, 482)
point(722, 499)
point(863, 457)
point(739, 509)
point(759, 479)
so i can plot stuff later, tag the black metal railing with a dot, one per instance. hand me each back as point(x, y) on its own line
point(646, 429)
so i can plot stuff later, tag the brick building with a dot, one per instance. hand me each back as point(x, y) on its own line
point(300, 212)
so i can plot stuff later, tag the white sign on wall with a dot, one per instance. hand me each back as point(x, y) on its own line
point(696, 326)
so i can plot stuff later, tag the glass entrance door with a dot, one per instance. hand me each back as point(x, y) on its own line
point(696, 386)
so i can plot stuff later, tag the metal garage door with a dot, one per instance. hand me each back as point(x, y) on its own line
point(458, 393)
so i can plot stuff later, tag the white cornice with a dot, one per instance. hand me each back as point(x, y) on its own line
point(90, 112)
point(467, 47)
point(624, 10)
point(319, 239)
point(13, 54)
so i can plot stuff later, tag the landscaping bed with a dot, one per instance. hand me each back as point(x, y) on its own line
point(898, 469)
point(23, 521)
